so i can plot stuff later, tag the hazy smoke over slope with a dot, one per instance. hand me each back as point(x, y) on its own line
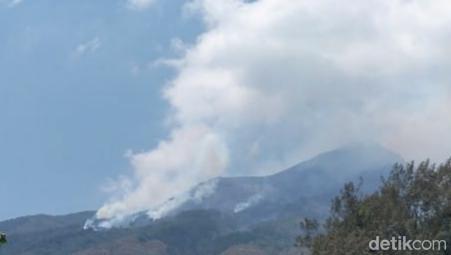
point(273, 81)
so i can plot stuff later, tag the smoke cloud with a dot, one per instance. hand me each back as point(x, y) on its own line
point(271, 82)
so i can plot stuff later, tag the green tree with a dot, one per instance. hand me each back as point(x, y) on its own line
point(414, 201)
point(2, 238)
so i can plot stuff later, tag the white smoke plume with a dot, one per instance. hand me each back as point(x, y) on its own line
point(272, 81)
point(253, 200)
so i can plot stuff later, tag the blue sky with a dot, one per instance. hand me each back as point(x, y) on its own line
point(253, 87)
point(77, 90)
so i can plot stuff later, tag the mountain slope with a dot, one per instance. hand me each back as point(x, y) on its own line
point(304, 189)
point(233, 215)
point(40, 223)
point(307, 184)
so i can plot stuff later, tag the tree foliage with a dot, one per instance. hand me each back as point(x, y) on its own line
point(414, 201)
point(2, 238)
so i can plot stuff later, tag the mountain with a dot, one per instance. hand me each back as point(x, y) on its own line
point(227, 215)
point(41, 223)
point(303, 189)
point(304, 186)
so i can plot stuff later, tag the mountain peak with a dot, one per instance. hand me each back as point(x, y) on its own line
point(357, 155)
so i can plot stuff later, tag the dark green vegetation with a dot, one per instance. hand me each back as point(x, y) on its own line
point(414, 201)
point(2, 238)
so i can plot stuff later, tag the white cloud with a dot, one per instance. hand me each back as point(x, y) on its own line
point(11, 3)
point(140, 4)
point(273, 81)
point(15, 2)
point(88, 47)
point(178, 45)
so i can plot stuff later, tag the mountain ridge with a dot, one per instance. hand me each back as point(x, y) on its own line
point(232, 215)
point(298, 183)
